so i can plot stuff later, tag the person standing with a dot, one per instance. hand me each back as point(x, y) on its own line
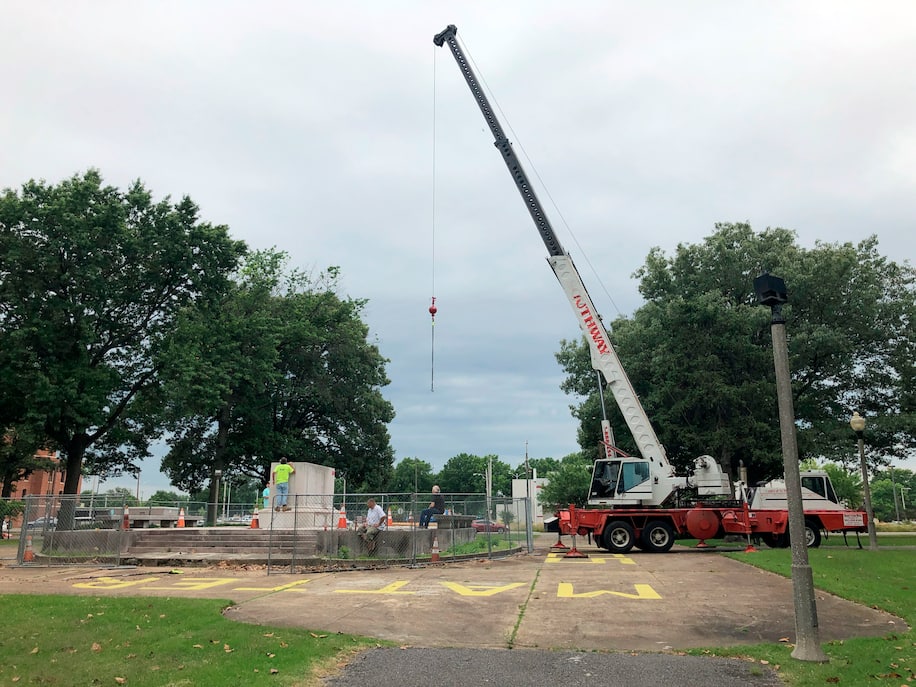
point(436, 507)
point(280, 478)
point(376, 521)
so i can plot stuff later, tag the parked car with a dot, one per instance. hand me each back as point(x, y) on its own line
point(488, 526)
point(42, 523)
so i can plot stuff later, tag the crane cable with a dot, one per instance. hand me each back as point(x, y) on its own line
point(432, 306)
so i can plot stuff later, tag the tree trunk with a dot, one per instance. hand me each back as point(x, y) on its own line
point(75, 450)
point(222, 439)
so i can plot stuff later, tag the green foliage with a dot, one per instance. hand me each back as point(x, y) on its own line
point(699, 353)
point(9, 508)
point(846, 483)
point(95, 279)
point(466, 474)
point(541, 466)
point(411, 475)
point(85, 640)
point(567, 484)
point(883, 487)
point(280, 366)
point(167, 498)
point(507, 517)
point(120, 495)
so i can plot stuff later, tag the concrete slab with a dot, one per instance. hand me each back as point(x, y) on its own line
point(682, 599)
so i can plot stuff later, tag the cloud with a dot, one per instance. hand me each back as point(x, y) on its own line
point(339, 133)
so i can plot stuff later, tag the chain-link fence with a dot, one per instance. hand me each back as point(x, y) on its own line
point(63, 530)
point(331, 532)
point(307, 531)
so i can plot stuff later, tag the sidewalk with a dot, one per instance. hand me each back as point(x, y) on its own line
point(527, 619)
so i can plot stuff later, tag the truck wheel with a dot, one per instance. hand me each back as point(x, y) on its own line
point(812, 534)
point(657, 537)
point(618, 536)
point(776, 541)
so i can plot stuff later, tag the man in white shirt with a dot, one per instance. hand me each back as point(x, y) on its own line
point(376, 521)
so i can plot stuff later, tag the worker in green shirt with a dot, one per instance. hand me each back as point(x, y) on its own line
point(280, 478)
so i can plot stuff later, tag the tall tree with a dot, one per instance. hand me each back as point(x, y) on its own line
point(699, 352)
point(412, 475)
point(568, 482)
point(280, 367)
point(541, 466)
point(224, 353)
point(91, 282)
point(465, 474)
point(328, 403)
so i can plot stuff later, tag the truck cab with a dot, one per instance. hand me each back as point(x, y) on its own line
point(817, 493)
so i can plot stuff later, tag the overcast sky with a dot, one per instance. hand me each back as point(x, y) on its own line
point(338, 133)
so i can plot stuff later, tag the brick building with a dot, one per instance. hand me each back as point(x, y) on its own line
point(43, 482)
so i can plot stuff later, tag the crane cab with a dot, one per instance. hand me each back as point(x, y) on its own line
point(620, 481)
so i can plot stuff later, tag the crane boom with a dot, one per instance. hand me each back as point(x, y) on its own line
point(603, 356)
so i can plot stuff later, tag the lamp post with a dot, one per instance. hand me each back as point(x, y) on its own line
point(896, 502)
point(857, 422)
point(771, 291)
point(529, 525)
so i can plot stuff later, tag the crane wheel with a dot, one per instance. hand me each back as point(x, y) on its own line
point(618, 536)
point(657, 537)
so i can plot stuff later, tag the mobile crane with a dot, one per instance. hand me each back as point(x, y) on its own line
point(633, 500)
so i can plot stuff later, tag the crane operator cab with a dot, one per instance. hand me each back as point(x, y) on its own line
point(619, 481)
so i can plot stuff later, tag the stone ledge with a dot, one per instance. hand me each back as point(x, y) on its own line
point(454, 522)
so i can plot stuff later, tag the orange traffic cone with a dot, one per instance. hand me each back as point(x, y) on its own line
point(342, 520)
point(254, 521)
point(29, 555)
point(435, 552)
point(126, 524)
point(390, 519)
point(180, 518)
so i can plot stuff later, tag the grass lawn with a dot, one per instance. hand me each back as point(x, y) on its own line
point(154, 642)
point(883, 579)
point(171, 642)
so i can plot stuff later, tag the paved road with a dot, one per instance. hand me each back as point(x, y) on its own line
point(603, 603)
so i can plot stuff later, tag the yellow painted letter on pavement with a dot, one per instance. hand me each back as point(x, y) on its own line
point(643, 591)
point(387, 589)
point(113, 583)
point(196, 583)
point(479, 589)
point(281, 588)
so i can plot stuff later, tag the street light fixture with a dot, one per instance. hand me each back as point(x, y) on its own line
point(771, 291)
point(896, 502)
point(857, 422)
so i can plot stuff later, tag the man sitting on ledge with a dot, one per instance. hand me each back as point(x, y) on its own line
point(436, 507)
point(376, 521)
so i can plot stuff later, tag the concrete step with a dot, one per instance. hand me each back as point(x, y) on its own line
point(134, 550)
point(221, 541)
